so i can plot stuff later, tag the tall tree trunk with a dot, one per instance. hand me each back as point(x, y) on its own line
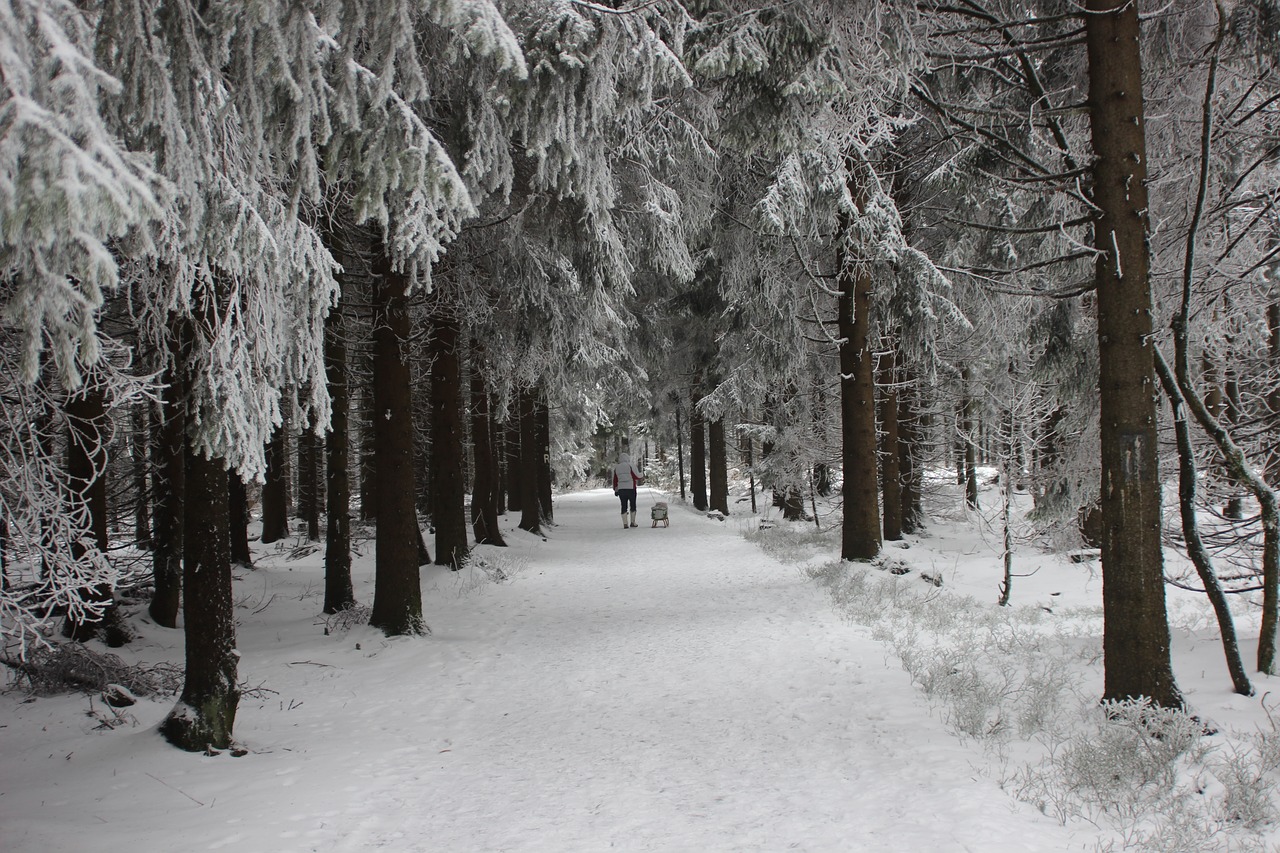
point(138, 442)
point(680, 451)
point(542, 423)
point(697, 454)
point(530, 517)
point(511, 457)
point(860, 529)
point(275, 491)
point(968, 412)
point(238, 519)
point(1234, 508)
point(717, 457)
point(424, 439)
point(397, 595)
point(891, 470)
point(169, 464)
point(910, 465)
point(1135, 623)
point(1273, 396)
point(338, 592)
point(1196, 550)
point(86, 459)
point(206, 712)
point(309, 482)
point(498, 445)
point(368, 449)
point(448, 487)
point(485, 491)
point(4, 554)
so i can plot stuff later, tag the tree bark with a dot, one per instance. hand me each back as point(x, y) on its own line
point(542, 424)
point(497, 439)
point(860, 528)
point(368, 450)
point(680, 452)
point(169, 483)
point(1135, 623)
point(1196, 550)
point(397, 596)
point(205, 714)
point(141, 476)
point(1273, 396)
point(891, 470)
point(511, 461)
point(338, 592)
point(530, 517)
point(910, 455)
point(717, 458)
point(238, 519)
point(309, 482)
point(967, 416)
point(485, 491)
point(275, 491)
point(448, 488)
point(697, 454)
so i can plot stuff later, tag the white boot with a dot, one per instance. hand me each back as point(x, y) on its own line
point(624, 521)
point(633, 518)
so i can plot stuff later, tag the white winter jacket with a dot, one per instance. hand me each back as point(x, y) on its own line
point(624, 474)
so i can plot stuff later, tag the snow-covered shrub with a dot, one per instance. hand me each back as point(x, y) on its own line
point(57, 668)
point(992, 673)
point(792, 542)
point(1129, 755)
point(488, 565)
point(356, 615)
point(1011, 678)
point(1249, 772)
point(1150, 773)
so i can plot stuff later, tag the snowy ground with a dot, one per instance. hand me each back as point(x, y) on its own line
point(674, 689)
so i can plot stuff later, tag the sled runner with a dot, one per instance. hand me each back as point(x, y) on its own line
point(659, 513)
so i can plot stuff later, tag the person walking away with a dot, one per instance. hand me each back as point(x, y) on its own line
point(625, 483)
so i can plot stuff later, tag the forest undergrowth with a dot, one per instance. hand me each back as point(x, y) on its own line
point(1023, 684)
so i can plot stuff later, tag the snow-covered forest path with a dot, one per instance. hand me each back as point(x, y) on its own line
point(647, 690)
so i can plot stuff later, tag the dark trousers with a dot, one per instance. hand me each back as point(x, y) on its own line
point(628, 498)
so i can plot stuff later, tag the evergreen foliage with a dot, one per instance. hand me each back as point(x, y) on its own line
point(624, 212)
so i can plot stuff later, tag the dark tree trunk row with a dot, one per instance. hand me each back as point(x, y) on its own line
point(511, 462)
point(860, 533)
point(309, 467)
point(238, 518)
point(205, 714)
point(697, 453)
point(486, 490)
point(169, 502)
point(1135, 625)
point(890, 452)
point(718, 462)
point(448, 487)
point(542, 455)
point(528, 462)
point(397, 601)
point(275, 491)
point(338, 592)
